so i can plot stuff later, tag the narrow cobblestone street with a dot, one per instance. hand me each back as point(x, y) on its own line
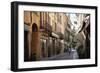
point(64, 56)
point(56, 36)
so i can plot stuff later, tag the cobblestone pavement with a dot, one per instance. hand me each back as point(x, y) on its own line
point(67, 55)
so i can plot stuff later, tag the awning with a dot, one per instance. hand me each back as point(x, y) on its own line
point(55, 35)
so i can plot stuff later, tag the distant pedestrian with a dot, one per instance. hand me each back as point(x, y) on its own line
point(69, 51)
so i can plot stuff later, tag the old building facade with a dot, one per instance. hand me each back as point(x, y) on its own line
point(43, 34)
point(32, 36)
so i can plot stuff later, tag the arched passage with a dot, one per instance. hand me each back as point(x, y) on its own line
point(35, 42)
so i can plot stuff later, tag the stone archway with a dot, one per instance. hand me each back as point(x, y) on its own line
point(35, 42)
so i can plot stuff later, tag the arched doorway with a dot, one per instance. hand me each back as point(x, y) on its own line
point(35, 42)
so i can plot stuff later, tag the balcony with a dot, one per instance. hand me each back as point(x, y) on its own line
point(45, 27)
